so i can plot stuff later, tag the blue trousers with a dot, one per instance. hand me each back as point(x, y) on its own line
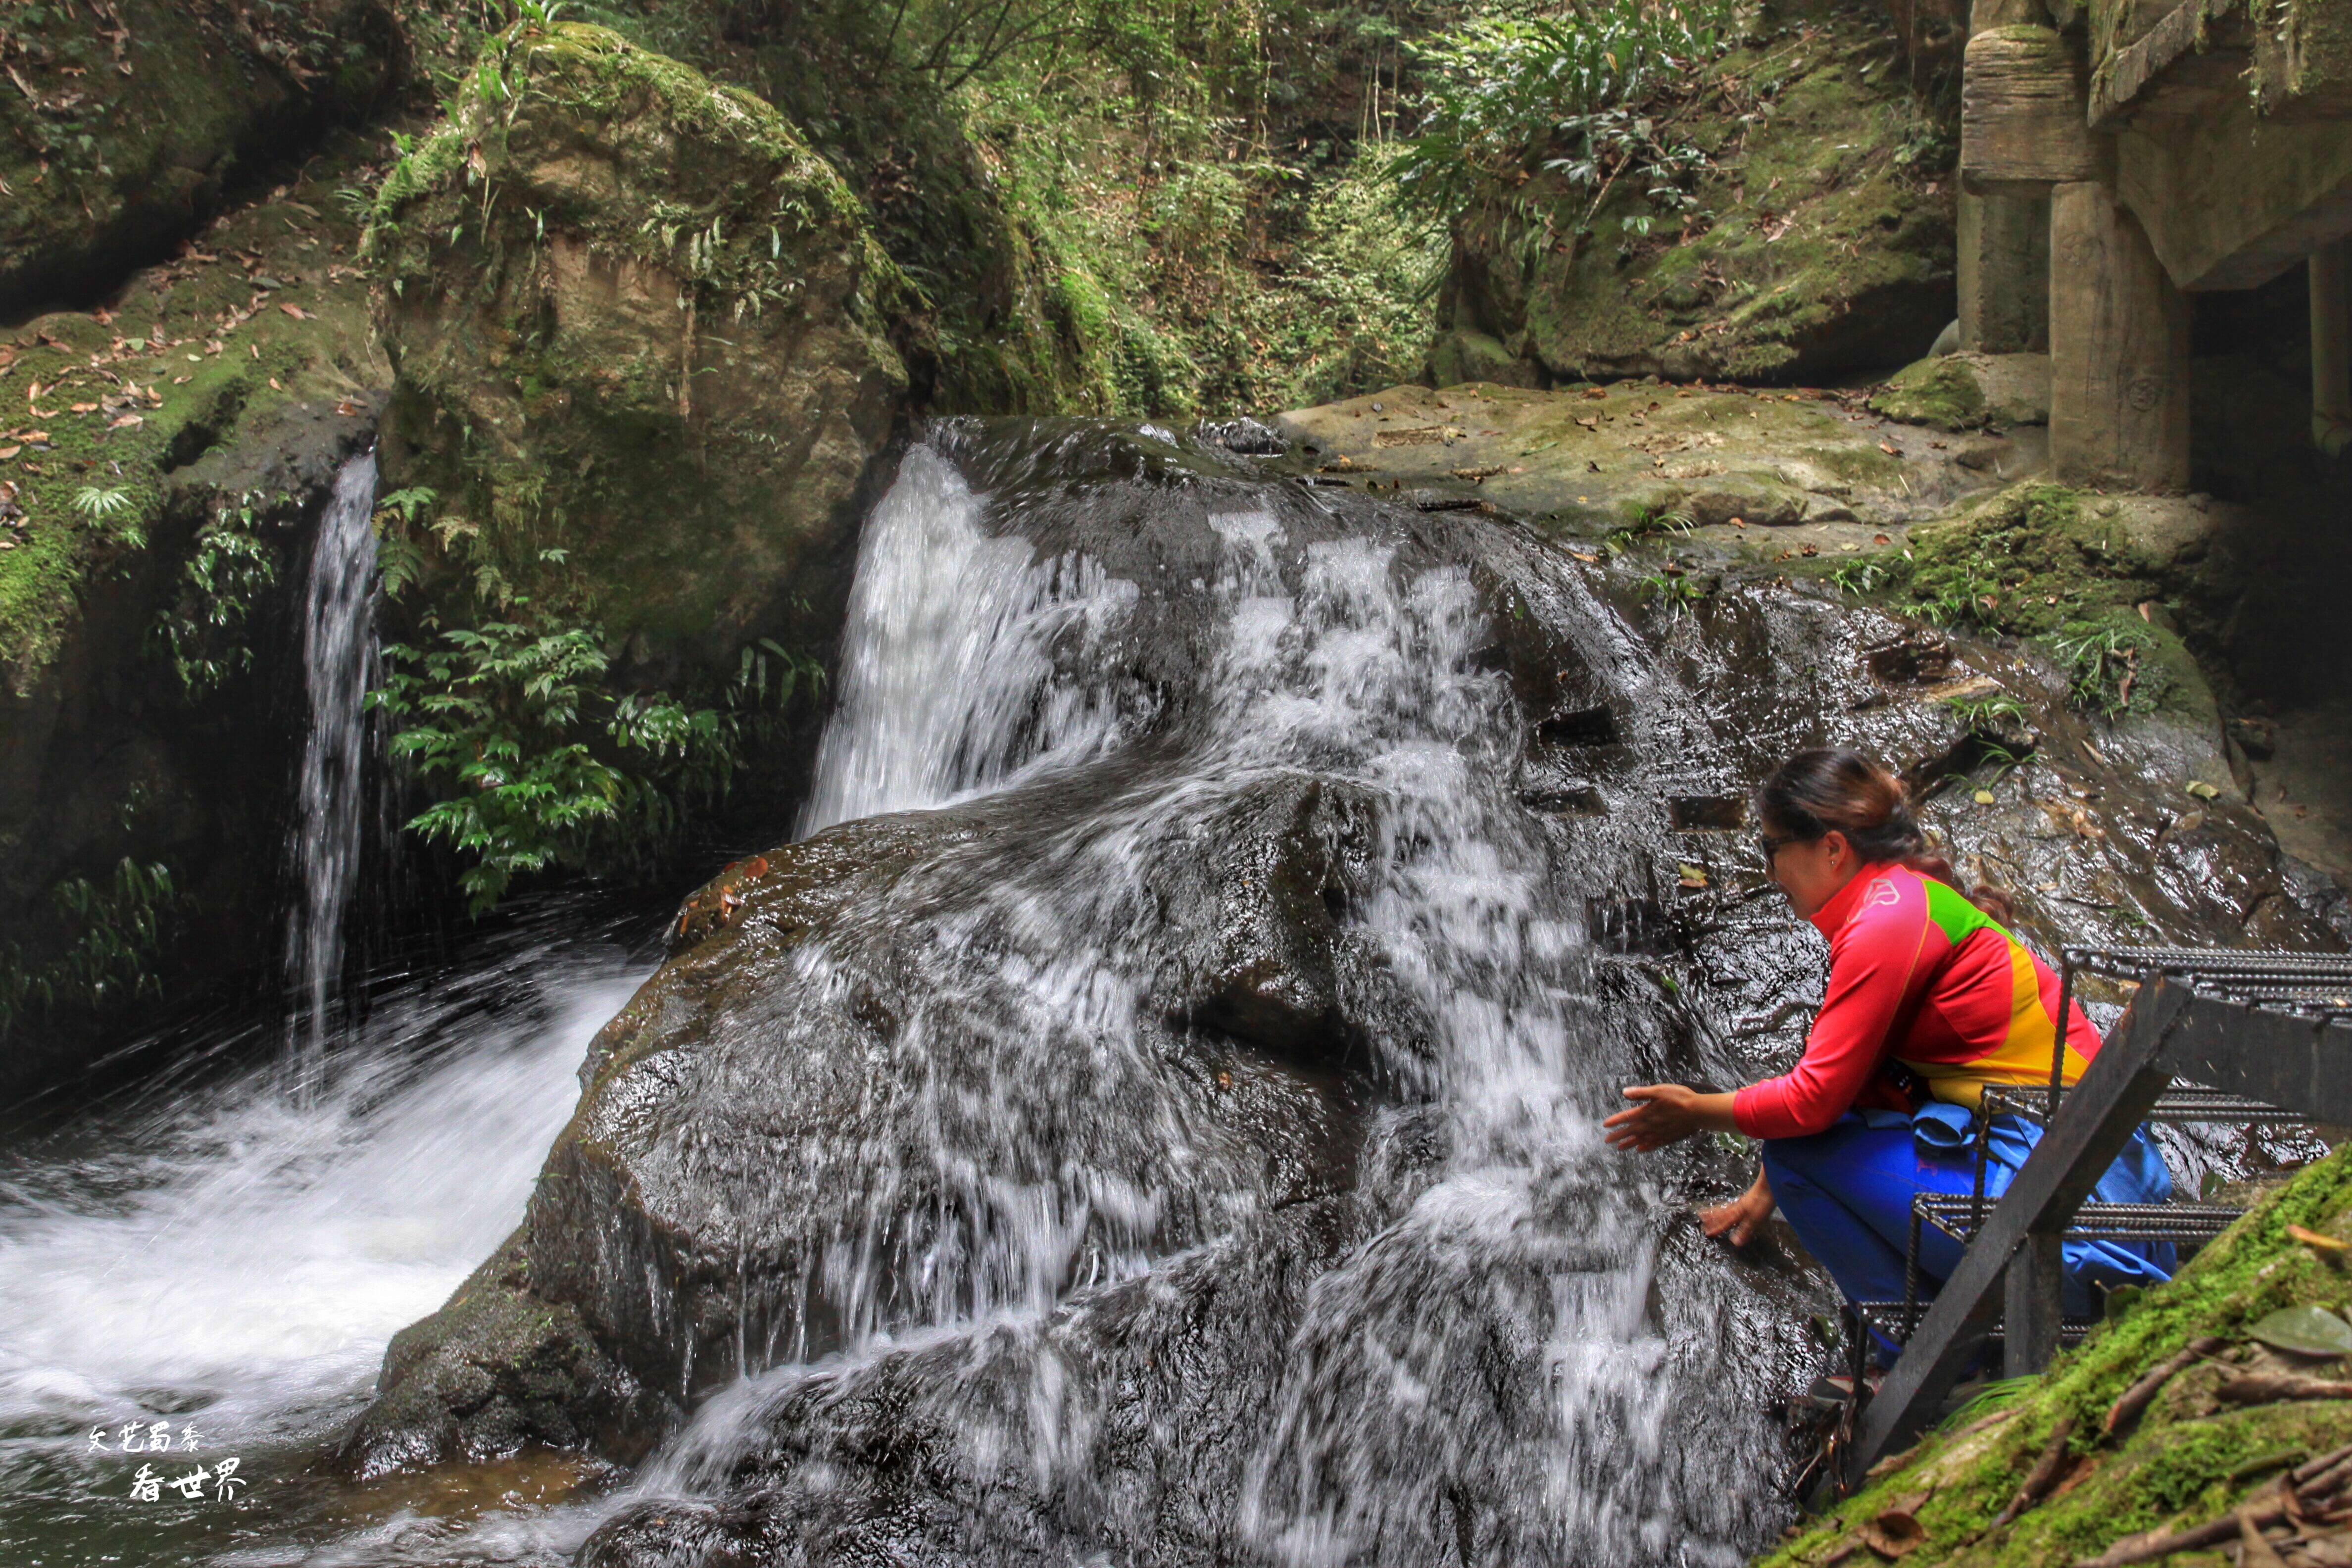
point(1847, 1193)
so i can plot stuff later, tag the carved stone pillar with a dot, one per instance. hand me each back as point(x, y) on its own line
point(2119, 342)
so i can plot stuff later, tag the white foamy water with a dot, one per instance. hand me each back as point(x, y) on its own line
point(243, 1257)
point(948, 683)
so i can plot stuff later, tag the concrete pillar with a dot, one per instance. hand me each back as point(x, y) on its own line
point(2004, 259)
point(2118, 349)
point(2004, 274)
point(2331, 350)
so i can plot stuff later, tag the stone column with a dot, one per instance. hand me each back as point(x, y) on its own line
point(2118, 349)
point(2004, 241)
point(2004, 274)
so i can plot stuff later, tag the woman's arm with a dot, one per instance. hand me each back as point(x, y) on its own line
point(1870, 970)
point(1667, 1113)
point(1736, 1221)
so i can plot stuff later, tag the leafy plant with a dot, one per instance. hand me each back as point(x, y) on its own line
point(203, 631)
point(1676, 591)
point(1987, 713)
point(1571, 95)
point(2102, 664)
point(114, 929)
point(1856, 578)
point(538, 764)
point(98, 504)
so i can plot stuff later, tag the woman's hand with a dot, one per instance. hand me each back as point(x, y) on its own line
point(1667, 1113)
point(1736, 1221)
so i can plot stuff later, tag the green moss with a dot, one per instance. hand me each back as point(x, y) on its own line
point(2177, 1467)
point(1942, 393)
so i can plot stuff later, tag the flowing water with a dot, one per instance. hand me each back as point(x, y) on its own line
point(233, 1258)
point(1509, 1351)
point(338, 666)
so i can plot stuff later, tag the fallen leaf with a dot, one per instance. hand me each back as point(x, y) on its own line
point(2304, 1330)
point(1888, 447)
point(1880, 539)
point(8, 452)
point(347, 407)
point(2327, 1247)
point(1739, 522)
point(295, 312)
point(1984, 797)
point(1893, 1534)
point(1691, 875)
point(125, 422)
point(2202, 790)
point(36, 437)
point(274, 386)
point(85, 407)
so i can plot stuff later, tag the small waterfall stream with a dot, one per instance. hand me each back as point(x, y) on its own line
point(338, 666)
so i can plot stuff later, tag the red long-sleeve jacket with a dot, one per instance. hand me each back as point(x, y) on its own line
point(1921, 978)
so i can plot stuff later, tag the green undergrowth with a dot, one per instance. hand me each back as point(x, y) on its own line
point(102, 946)
point(2040, 562)
point(2189, 1459)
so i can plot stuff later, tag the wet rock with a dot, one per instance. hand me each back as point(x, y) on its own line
point(1968, 391)
point(635, 301)
point(494, 1369)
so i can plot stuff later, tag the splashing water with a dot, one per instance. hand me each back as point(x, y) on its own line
point(338, 666)
point(235, 1259)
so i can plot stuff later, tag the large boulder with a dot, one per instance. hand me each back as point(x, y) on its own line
point(1821, 242)
point(1206, 1120)
point(643, 342)
point(123, 130)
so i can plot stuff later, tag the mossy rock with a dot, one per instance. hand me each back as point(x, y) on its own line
point(115, 141)
point(2193, 1457)
point(1823, 242)
point(1968, 391)
point(644, 345)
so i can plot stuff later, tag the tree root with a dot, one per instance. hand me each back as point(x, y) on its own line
point(2135, 1399)
point(2043, 1477)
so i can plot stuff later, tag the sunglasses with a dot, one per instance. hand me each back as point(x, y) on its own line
point(1771, 844)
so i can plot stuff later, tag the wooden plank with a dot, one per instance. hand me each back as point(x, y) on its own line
point(2116, 1091)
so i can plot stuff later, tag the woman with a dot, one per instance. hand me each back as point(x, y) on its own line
point(1930, 1002)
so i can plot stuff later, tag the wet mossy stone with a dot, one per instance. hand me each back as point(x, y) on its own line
point(644, 346)
point(116, 140)
point(1968, 391)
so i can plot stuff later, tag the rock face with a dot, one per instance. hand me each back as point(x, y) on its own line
point(125, 129)
point(1968, 391)
point(157, 505)
point(638, 324)
point(1825, 243)
point(1200, 1095)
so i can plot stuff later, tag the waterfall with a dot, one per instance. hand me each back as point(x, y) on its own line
point(1521, 1330)
point(337, 665)
point(949, 682)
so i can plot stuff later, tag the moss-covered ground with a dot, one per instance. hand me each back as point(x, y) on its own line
point(101, 409)
point(1820, 241)
point(2189, 1459)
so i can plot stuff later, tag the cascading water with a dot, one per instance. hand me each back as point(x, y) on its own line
point(338, 664)
point(1511, 1353)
